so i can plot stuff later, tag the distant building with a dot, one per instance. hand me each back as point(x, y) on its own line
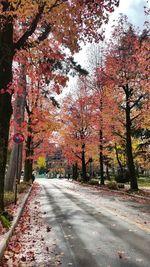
point(56, 162)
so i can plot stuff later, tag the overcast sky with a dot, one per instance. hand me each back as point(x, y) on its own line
point(134, 9)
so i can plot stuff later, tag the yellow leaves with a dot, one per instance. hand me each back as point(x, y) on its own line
point(135, 143)
point(41, 162)
point(24, 9)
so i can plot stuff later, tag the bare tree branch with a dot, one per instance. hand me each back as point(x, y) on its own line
point(137, 101)
point(120, 135)
point(135, 117)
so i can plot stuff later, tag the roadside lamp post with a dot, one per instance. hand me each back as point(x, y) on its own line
point(18, 138)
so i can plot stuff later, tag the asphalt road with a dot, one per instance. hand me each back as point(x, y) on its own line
point(94, 229)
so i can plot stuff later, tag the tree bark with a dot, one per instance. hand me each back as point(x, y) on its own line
point(6, 57)
point(101, 158)
point(28, 160)
point(75, 171)
point(5, 114)
point(119, 162)
point(130, 161)
point(18, 118)
point(107, 173)
point(84, 176)
point(11, 172)
point(28, 170)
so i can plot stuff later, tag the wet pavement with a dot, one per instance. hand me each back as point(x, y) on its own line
point(95, 228)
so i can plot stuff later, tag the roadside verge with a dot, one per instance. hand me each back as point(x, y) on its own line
point(118, 192)
point(7, 236)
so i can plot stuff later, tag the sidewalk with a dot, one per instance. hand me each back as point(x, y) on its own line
point(5, 239)
point(32, 243)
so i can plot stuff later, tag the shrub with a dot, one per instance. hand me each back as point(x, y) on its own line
point(5, 222)
point(113, 185)
point(121, 185)
point(9, 198)
point(23, 186)
point(79, 179)
point(122, 177)
point(94, 182)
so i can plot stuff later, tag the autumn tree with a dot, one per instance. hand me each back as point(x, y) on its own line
point(77, 131)
point(41, 123)
point(46, 78)
point(129, 83)
point(101, 103)
point(26, 24)
point(43, 77)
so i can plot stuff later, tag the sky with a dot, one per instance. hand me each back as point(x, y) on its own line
point(134, 9)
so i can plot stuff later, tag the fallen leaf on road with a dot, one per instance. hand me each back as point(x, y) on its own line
point(120, 254)
point(48, 229)
point(23, 259)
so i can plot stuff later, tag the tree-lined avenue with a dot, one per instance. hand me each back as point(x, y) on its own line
point(93, 228)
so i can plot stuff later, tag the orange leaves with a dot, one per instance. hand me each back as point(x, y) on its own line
point(76, 127)
point(29, 237)
point(66, 18)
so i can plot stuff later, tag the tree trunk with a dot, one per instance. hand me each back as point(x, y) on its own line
point(28, 160)
point(19, 118)
point(5, 114)
point(130, 162)
point(101, 158)
point(90, 167)
point(107, 173)
point(6, 57)
point(11, 172)
point(28, 170)
point(75, 171)
point(20, 158)
point(119, 162)
point(84, 176)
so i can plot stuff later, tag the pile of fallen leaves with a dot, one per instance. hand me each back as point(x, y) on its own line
point(27, 246)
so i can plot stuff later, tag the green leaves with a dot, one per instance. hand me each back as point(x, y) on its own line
point(5, 222)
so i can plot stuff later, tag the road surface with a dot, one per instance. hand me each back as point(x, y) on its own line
point(96, 229)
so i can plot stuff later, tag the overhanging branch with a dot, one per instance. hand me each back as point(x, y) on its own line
point(137, 101)
point(23, 40)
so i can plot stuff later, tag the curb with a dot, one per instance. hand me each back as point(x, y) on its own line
point(7, 236)
point(125, 193)
point(137, 196)
point(132, 195)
